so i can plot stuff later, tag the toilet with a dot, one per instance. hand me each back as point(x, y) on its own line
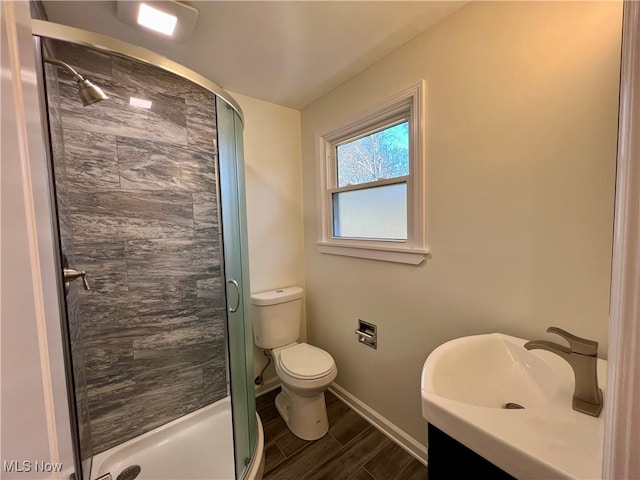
point(305, 371)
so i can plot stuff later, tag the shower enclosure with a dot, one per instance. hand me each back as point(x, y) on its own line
point(148, 194)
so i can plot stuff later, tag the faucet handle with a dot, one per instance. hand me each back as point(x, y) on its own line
point(579, 345)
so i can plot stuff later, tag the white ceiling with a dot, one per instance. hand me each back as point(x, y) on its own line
point(289, 53)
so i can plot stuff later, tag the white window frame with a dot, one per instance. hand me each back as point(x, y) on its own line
point(409, 103)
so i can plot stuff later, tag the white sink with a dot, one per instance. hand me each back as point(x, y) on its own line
point(466, 384)
point(490, 371)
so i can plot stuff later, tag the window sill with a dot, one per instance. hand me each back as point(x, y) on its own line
point(409, 256)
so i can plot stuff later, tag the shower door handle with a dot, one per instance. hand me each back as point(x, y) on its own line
point(235, 284)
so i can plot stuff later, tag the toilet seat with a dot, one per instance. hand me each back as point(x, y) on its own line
point(305, 362)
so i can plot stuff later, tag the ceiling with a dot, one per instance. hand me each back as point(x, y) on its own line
point(289, 53)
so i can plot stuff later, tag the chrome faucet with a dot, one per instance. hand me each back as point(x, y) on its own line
point(582, 355)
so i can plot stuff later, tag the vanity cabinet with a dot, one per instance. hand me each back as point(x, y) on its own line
point(449, 459)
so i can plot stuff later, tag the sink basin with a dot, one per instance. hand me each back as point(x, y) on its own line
point(490, 371)
point(466, 384)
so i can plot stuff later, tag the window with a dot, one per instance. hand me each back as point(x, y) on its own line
point(372, 198)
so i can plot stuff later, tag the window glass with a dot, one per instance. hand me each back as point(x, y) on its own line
point(379, 155)
point(371, 213)
point(372, 182)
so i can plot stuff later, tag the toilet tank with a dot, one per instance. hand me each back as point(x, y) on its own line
point(276, 316)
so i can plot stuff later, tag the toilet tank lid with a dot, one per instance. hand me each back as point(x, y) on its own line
point(273, 297)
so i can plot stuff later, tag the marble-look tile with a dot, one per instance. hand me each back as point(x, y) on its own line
point(115, 426)
point(167, 394)
point(205, 213)
point(211, 289)
point(109, 368)
point(92, 63)
point(199, 175)
point(211, 301)
point(215, 377)
point(165, 260)
point(157, 397)
point(162, 260)
point(137, 312)
point(105, 315)
point(149, 78)
point(116, 117)
point(146, 165)
point(99, 228)
point(155, 312)
point(201, 120)
point(206, 258)
point(187, 355)
point(163, 305)
point(114, 385)
point(91, 159)
point(106, 357)
point(199, 102)
point(180, 338)
point(173, 109)
point(105, 264)
point(107, 215)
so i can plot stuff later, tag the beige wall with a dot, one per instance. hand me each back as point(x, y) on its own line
point(274, 209)
point(522, 117)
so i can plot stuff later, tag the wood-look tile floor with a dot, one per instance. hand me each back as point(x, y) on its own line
point(352, 450)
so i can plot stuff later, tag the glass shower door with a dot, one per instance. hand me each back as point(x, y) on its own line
point(239, 334)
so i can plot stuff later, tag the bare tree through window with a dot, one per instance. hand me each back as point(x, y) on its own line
point(379, 155)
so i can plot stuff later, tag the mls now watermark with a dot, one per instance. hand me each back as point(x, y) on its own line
point(24, 466)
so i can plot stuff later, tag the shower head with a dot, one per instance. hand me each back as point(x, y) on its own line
point(89, 93)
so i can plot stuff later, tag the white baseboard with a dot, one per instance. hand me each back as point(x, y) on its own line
point(408, 443)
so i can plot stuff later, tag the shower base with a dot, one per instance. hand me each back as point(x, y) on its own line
point(196, 446)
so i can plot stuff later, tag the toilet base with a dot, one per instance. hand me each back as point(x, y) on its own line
point(306, 416)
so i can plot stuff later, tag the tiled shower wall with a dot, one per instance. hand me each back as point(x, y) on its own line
point(137, 195)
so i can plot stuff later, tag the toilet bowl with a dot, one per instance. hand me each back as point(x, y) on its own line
point(305, 372)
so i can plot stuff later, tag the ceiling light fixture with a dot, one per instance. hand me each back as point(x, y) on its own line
point(156, 20)
point(168, 19)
